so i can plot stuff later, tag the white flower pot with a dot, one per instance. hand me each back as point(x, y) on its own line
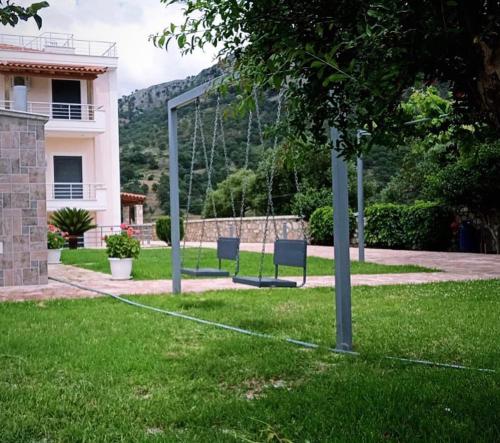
point(54, 257)
point(121, 268)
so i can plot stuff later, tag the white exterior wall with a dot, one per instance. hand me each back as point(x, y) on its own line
point(100, 151)
point(107, 147)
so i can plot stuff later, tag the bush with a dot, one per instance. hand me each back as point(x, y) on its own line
point(321, 225)
point(308, 200)
point(384, 228)
point(421, 226)
point(123, 245)
point(427, 226)
point(163, 229)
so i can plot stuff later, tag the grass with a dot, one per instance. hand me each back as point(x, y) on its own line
point(155, 264)
point(99, 370)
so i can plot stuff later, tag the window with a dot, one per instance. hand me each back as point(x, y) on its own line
point(68, 177)
point(67, 99)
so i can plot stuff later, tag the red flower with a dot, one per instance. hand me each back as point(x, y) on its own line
point(130, 232)
point(124, 226)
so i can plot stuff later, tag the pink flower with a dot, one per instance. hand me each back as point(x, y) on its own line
point(124, 226)
point(52, 228)
point(130, 232)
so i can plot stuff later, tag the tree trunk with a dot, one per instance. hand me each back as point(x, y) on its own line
point(488, 83)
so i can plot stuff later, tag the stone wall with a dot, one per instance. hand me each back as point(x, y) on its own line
point(252, 228)
point(23, 213)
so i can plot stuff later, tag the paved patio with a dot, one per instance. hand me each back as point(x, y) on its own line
point(453, 267)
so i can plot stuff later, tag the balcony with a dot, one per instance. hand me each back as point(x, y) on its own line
point(67, 119)
point(89, 196)
point(57, 43)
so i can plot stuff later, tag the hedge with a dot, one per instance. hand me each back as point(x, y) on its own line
point(321, 225)
point(163, 229)
point(421, 226)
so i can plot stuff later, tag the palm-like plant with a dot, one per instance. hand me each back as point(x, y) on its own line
point(75, 222)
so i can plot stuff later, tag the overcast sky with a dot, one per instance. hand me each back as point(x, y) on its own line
point(129, 23)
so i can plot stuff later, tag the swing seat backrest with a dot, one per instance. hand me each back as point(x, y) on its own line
point(228, 248)
point(290, 253)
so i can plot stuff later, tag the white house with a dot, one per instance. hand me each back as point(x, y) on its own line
point(74, 83)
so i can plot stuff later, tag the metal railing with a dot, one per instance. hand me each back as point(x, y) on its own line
point(59, 111)
point(96, 237)
point(58, 43)
point(73, 191)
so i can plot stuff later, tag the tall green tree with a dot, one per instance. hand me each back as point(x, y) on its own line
point(348, 62)
point(11, 12)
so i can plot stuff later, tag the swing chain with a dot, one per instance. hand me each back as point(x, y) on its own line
point(191, 171)
point(245, 168)
point(209, 162)
point(226, 157)
point(298, 188)
point(271, 173)
point(273, 156)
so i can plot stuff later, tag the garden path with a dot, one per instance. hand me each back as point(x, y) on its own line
point(454, 267)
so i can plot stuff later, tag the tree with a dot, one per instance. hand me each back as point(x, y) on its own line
point(232, 187)
point(348, 62)
point(473, 182)
point(11, 13)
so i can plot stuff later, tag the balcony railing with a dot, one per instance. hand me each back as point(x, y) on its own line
point(59, 111)
point(57, 43)
point(73, 191)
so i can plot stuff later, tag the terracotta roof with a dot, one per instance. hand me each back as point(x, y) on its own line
point(51, 69)
point(129, 198)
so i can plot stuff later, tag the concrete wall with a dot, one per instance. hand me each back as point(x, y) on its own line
point(252, 228)
point(23, 211)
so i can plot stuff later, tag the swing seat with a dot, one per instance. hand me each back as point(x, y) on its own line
point(205, 272)
point(228, 248)
point(265, 282)
point(286, 253)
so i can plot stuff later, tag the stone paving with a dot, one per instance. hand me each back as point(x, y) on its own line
point(453, 267)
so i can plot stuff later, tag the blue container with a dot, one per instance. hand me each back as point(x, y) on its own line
point(468, 239)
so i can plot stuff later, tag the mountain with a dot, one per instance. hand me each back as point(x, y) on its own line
point(144, 136)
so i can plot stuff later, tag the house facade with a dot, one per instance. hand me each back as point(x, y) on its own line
point(74, 84)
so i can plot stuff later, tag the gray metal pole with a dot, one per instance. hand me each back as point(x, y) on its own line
point(341, 247)
point(173, 167)
point(361, 211)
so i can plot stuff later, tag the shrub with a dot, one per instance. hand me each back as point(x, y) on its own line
point(75, 222)
point(421, 226)
point(321, 225)
point(427, 226)
point(163, 229)
point(308, 200)
point(384, 228)
point(123, 245)
point(55, 238)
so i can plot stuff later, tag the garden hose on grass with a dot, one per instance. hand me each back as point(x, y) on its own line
point(301, 343)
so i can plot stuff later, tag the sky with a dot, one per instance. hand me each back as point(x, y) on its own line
point(128, 23)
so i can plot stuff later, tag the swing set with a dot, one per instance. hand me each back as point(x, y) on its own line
point(286, 252)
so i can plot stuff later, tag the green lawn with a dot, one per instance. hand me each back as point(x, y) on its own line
point(100, 370)
point(154, 264)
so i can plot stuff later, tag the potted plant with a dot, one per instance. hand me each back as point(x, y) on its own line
point(75, 222)
point(122, 249)
point(55, 243)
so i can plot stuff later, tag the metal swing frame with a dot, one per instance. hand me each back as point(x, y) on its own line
point(342, 277)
